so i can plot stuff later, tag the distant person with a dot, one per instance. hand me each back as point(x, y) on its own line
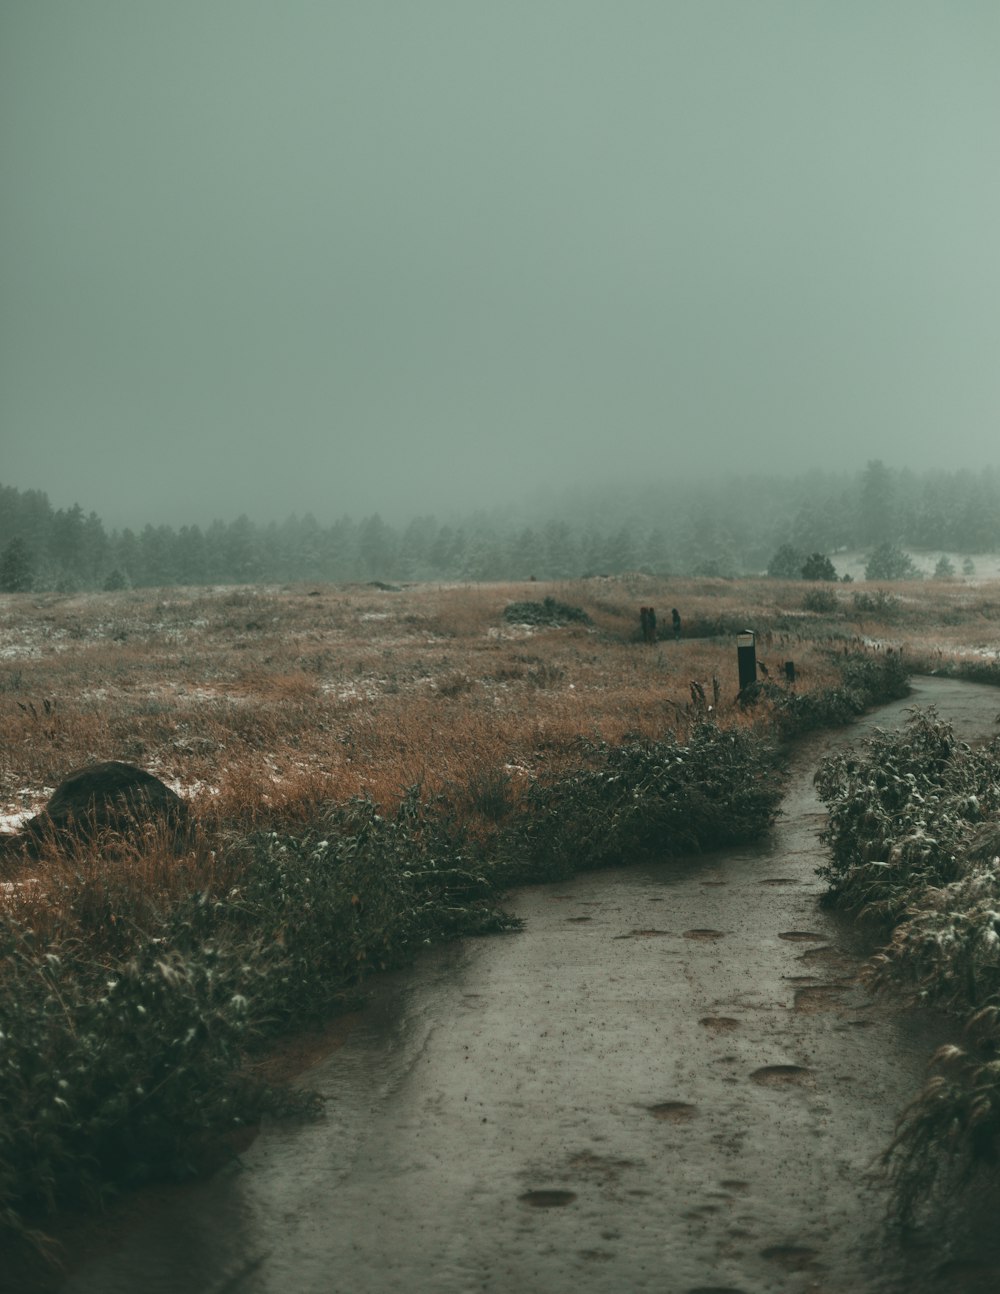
point(675, 616)
point(644, 623)
point(650, 625)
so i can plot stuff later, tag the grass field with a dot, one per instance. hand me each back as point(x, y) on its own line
point(368, 768)
point(253, 702)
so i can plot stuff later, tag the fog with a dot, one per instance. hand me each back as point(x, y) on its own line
point(358, 256)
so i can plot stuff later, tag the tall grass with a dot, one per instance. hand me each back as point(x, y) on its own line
point(914, 836)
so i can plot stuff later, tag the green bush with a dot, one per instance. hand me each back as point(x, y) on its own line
point(546, 612)
point(914, 837)
point(881, 604)
point(899, 814)
point(818, 566)
point(661, 797)
point(945, 568)
point(890, 562)
point(823, 601)
point(865, 681)
point(786, 564)
point(121, 1044)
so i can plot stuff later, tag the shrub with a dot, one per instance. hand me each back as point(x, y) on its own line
point(818, 566)
point(914, 834)
point(865, 680)
point(547, 612)
point(121, 1046)
point(822, 600)
point(488, 793)
point(662, 797)
point(889, 562)
point(881, 604)
point(897, 815)
point(945, 568)
point(786, 564)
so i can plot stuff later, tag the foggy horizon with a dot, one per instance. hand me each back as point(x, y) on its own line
point(581, 503)
point(434, 258)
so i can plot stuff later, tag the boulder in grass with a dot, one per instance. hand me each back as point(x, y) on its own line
point(112, 796)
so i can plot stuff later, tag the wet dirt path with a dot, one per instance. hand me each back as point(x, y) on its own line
point(668, 1081)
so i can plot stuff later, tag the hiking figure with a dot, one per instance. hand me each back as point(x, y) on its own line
point(675, 615)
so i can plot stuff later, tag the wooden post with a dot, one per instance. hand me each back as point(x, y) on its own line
point(746, 658)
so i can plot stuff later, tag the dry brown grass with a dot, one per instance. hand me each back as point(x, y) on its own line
point(258, 703)
point(255, 697)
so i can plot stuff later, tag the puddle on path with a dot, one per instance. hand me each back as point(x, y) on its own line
point(793, 1258)
point(783, 1076)
point(547, 1199)
point(819, 997)
point(719, 1023)
point(673, 1111)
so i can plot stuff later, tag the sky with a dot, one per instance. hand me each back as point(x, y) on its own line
point(347, 256)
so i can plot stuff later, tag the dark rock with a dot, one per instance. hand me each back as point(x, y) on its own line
point(112, 796)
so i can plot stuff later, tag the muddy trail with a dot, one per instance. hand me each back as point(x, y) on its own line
point(668, 1081)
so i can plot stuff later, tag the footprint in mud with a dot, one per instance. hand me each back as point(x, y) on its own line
point(802, 936)
point(547, 1199)
point(794, 1258)
point(828, 957)
point(673, 1111)
point(818, 997)
point(719, 1023)
point(782, 1076)
point(607, 1171)
point(704, 934)
point(643, 934)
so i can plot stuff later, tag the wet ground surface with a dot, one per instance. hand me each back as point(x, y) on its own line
point(669, 1081)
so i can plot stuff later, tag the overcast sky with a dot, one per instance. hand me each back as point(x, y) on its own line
point(357, 255)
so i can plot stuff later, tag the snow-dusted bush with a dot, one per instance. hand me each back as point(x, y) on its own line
point(914, 837)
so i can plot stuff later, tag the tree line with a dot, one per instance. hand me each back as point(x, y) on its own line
point(726, 527)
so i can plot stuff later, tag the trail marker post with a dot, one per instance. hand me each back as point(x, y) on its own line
point(746, 657)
